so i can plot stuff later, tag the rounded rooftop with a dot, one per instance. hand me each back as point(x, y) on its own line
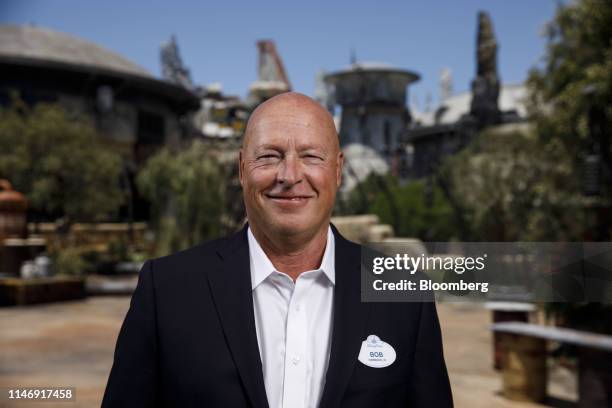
point(373, 67)
point(37, 45)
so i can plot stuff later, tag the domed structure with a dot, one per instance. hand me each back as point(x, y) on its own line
point(127, 103)
point(133, 111)
point(31, 44)
point(374, 112)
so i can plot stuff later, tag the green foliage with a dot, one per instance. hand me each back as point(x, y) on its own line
point(69, 261)
point(58, 162)
point(187, 194)
point(409, 208)
point(511, 186)
point(118, 250)
point(579, 55)
point(415, 218)
point(572, 110)
point(574, 82)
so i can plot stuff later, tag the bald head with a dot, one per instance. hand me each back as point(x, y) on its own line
point(295, 108)
point(290, 169)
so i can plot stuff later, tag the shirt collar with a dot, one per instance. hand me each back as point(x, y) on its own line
point(261, 266)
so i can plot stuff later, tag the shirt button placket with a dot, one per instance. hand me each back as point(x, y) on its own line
point(294, 389)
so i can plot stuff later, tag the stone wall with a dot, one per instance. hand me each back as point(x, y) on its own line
point(363, 228)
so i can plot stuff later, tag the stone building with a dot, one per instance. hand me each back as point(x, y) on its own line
point(131, 109)
point(444, 130)
point(448, 128)
point(222, 117)
point(374, 111)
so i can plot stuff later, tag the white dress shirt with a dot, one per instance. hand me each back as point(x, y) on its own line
point(293, 323)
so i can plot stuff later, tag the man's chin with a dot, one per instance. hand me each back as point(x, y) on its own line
point(291, 228)
point(294, 227)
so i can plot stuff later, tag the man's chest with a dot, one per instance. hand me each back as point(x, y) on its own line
point(194, 347)
point(293, 321)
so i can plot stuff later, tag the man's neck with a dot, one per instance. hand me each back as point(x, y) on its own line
point(290, 257)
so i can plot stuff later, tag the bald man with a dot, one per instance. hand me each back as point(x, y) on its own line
point(271, 316)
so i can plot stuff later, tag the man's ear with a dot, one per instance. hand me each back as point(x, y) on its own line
point(240, 169)
point(340, 165)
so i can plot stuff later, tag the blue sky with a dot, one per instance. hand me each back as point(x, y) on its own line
point(217, 39)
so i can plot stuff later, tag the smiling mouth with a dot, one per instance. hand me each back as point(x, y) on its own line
point(291, 198)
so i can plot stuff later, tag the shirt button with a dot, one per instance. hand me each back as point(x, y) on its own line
point(297, 307)
point(295, 360)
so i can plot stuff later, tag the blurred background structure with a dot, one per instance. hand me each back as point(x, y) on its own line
point(104, 164)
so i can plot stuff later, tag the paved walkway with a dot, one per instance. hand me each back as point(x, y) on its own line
point(469, 357)
point(72, 343)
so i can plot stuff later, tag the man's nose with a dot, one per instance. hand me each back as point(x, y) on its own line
point(289, 172)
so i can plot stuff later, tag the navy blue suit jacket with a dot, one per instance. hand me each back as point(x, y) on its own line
point(189, 339)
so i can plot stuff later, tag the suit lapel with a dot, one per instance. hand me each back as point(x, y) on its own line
point(350, 317)
point(233, 297)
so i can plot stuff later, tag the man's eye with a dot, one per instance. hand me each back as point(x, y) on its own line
point(313, 157)
point(268, 156)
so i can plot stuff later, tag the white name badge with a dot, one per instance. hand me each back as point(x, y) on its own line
point(376, 353)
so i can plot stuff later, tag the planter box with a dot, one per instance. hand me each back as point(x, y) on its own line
point(18, 292)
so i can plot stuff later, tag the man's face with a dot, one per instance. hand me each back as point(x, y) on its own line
point(290, 169)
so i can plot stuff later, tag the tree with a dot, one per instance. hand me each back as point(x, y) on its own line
point(58, 162)
point(571, 100)
point(187, 192)
point(572, 111)
point(510, 186)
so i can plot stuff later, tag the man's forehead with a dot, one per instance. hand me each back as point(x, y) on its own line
point(281, 119)
point(283, 127)
point(288, 139)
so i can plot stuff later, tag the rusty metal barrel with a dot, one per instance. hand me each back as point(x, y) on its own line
point(13, 210)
